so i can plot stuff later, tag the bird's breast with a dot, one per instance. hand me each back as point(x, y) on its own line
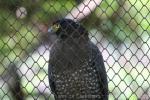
point(83, 80)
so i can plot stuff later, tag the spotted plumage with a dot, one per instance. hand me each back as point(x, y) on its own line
point(76, 68)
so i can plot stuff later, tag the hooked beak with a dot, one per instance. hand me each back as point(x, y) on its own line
point(50, 30)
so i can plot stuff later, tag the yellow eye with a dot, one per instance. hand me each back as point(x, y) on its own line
point(56, 27)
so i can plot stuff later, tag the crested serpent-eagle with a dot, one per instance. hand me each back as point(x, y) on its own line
point(76, 68)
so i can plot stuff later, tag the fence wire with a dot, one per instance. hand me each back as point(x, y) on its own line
point(119, 28)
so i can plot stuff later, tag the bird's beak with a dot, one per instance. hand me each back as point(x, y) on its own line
point(50, 30)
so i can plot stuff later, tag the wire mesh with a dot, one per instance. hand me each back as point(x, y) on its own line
point(119, 28)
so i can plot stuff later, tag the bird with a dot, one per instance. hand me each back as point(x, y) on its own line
point(76, 68)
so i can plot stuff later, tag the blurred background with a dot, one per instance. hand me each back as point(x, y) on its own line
point(120, 28)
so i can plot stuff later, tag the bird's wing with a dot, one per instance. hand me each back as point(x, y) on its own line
point(97, 61)
point(51, 79)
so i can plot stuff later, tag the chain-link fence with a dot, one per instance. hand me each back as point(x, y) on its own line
point(119, 28)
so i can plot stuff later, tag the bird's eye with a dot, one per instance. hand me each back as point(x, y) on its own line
point(55, 27)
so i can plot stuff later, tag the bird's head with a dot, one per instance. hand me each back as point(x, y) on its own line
point(67, 28)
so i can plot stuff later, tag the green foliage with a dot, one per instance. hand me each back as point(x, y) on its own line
point(17, 35)
point(52, 9)
point(5, 18)
point(9, 4)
